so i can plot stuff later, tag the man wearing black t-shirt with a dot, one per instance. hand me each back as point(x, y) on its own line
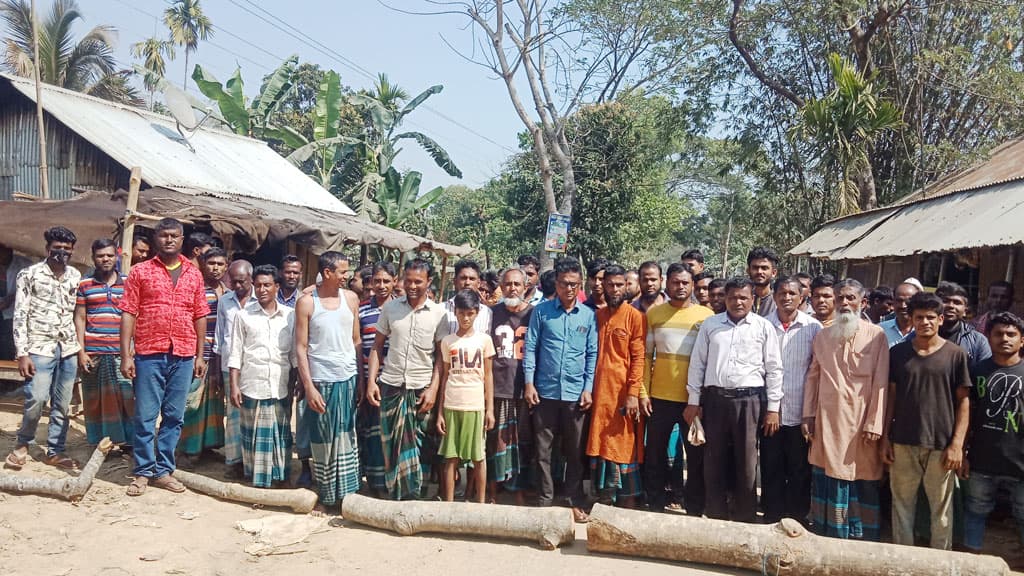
point(995, 456)
point(508, 442)
point(929, 406)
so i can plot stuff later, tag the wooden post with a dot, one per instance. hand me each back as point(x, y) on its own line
point(44, 171)
point(441, 283)
point(881, 267)
point(942, 268)
point(1011, 266)
point(128, 230)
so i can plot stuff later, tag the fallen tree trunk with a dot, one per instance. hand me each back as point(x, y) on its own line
point(72, 487)
point(549, 527)
point(299, 500)
point(783, 548)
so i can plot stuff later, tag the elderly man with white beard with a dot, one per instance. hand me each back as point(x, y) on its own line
point(843, 419)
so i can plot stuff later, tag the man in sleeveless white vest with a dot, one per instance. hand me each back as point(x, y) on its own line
point(326, 337)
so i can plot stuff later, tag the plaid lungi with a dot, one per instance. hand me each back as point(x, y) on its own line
point(266, 427)
point(403, 432)
point(108, 400)
point(371, 455)
point(232, 431)
point(843, 508)
point(332, 441)
point(614, 480)
point(203, 426)
point(503, 463)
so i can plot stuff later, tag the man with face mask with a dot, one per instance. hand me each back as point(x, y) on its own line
point(843, 419)
point(509, 442)
point(47, 346)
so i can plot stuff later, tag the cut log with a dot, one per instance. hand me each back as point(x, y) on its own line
point(72, 487)
point(298, 500)
point(549, 527)
point(783, 548)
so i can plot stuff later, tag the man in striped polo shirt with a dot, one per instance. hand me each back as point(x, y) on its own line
point(671, 332)
point(106, 393)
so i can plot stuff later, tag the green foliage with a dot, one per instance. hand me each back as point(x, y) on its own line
point(251, 118)
point(154, 53)
point(87, 65)
point(187, 25)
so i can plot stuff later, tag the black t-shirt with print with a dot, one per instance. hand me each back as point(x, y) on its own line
point(996, 440)
point(508, 330)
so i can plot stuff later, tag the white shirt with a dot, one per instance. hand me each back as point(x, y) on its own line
point(261, 346)
point(742, 354)
point(795, 343)
point(227, 307)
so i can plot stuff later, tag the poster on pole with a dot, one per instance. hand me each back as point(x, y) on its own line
point(557, 236)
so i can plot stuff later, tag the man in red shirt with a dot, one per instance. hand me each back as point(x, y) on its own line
point(163, 310)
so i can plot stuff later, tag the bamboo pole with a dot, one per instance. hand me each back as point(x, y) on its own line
point(443, 280)
point(130, 215)
point(44, 174)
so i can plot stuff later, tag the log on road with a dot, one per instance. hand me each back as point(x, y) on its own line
point(298, 500)
point(549, 527)
point(72, 487)
point(783, 548)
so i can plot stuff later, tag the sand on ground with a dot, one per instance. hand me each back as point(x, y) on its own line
point(160, 533)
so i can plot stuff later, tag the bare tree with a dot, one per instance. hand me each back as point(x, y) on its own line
point(567, 54)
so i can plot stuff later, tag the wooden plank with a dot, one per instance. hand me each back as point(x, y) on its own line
point(130, 215)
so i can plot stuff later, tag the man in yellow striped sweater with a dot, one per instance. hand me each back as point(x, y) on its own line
point(671, 332)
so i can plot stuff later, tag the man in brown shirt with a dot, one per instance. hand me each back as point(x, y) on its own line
point(844, 409)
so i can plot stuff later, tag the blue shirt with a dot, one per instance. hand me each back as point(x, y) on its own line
point(561, 351)
point(892, 332)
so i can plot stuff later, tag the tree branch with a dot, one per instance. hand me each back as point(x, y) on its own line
point(755, 69)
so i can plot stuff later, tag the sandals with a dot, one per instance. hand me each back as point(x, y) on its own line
point(14, 462)
point(138, 486)
point(169, 483)
point(62, 461)
point(579, 516)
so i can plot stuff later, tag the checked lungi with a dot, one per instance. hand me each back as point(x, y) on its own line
point(503, 458)
point(403, 433)
point(371, 455)
point(266, 427)
point(203, 425)
point(108, 400)
point(332, 441)
point(844, 508)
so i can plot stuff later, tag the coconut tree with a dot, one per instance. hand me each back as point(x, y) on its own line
point(188, 25)
point(154, 53)
point(87, 65)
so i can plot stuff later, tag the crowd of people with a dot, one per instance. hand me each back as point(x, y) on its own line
point(752, 398)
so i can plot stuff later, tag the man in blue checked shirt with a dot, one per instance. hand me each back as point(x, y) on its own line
point(559, 362)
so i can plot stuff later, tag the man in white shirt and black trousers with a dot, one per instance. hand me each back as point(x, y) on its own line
point(735, 386)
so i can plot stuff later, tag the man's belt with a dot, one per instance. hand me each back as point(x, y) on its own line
point(736, 392)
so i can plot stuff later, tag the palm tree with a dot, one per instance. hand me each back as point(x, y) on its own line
point(85, 66)
point(188, 25)
point(842, 127)
point(152, 51)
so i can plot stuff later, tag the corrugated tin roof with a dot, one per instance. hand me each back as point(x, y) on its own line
point(991, 216)
point(1005, 163)
point(222, 164)
point(838, 234)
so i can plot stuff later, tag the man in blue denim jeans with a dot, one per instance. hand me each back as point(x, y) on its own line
point(995, 453)
point(47, 346)
point(164, 311)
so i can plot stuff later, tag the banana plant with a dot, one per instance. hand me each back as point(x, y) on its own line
point(250, 118)
point(399, 197)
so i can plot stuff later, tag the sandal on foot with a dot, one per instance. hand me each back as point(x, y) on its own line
point(15, 462)
point(169, 483)
point(579, 516)
point(138, 486)
point(62, 461)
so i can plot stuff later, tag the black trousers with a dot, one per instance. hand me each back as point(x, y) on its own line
point(785, 475)
point(731, 426)
point(559, 418)
point(664, 416)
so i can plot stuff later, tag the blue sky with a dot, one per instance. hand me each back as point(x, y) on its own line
point(370, 38)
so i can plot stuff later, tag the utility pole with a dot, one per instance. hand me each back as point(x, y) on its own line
point(44, 180)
